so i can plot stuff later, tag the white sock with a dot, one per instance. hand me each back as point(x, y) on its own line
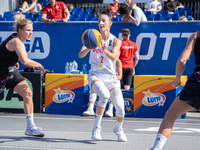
point(98, 119)
point(159, 142)
point(29, 119)
point(91, 106)
point(110, 107)
point(119, 125)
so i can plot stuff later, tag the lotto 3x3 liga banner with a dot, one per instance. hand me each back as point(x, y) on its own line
point(159, 45)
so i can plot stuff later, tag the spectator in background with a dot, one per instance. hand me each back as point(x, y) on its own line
point(154, 6)
point(132, 14)
point(172, 5)
point(130, 3)
point(128, 51)
point(33, 7)
point(56, 11)
point(71, 6)
point(114, 8)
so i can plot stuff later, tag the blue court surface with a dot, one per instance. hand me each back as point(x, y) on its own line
point(64, 132)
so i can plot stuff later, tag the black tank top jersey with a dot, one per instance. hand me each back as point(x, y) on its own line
point(7, 58)
point(197, 52)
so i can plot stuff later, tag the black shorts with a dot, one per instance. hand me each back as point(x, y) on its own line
point(127, 76)
point(15, 80)
point(10, 81)
point(191, 91)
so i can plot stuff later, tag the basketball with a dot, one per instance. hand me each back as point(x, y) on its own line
point(91, 38)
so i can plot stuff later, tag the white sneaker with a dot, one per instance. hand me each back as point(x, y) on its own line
point(89, 112)
point(109, 113)
point(23, 10)
point(121, 136)
point(96, 133)
point(33, 131)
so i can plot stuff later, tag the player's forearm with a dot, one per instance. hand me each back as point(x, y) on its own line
point(132, 20)
point(110, 55)
point(135, 63)
point(83, 52)
point(67, 16)
point(180, 67)
point(45, 20)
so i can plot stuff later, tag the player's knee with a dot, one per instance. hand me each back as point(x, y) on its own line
point(171, 115)
point(101, 90)
point(104, 97)
point(102, 102)
point(29, 93)
point(105, 94)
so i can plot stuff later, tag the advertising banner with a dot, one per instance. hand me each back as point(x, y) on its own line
point(65, 93)
point(154, 94)
point(160, 44)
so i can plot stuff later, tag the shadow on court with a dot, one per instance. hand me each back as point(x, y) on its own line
point(4, 139)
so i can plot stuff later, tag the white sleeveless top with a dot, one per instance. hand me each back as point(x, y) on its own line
point(99, 61)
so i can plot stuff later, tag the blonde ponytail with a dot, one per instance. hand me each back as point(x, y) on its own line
point(21, 21)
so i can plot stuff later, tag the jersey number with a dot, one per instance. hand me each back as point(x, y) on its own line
point(102, 59)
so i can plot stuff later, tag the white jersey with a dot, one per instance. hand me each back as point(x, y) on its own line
point(99, 61)
point(153, 5)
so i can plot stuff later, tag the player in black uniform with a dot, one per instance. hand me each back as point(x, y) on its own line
point(189, 97)
point(11, 50)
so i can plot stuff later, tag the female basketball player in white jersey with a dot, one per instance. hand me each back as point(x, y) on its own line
point(102, 76)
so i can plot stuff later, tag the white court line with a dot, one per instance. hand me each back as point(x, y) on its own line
point(92, 119)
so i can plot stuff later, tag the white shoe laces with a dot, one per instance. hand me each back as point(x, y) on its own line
point(35, 127)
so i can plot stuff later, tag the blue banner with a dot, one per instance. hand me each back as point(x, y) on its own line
point(160, 44)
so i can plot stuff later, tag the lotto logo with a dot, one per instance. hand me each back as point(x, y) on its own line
point(152, 99)
point(62, 96)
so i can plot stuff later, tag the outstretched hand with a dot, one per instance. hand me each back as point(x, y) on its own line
point(42, 68)
point(176, 83)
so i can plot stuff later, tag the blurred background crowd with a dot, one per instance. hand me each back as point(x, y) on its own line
point(85, 10)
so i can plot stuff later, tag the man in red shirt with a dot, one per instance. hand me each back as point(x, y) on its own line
point(128, 51)
point(56, 11)
point(114, 8)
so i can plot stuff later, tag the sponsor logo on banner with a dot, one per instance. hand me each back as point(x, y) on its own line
point(152, 99)
point(62, 96)
point(37, 48)
point(128, 104)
